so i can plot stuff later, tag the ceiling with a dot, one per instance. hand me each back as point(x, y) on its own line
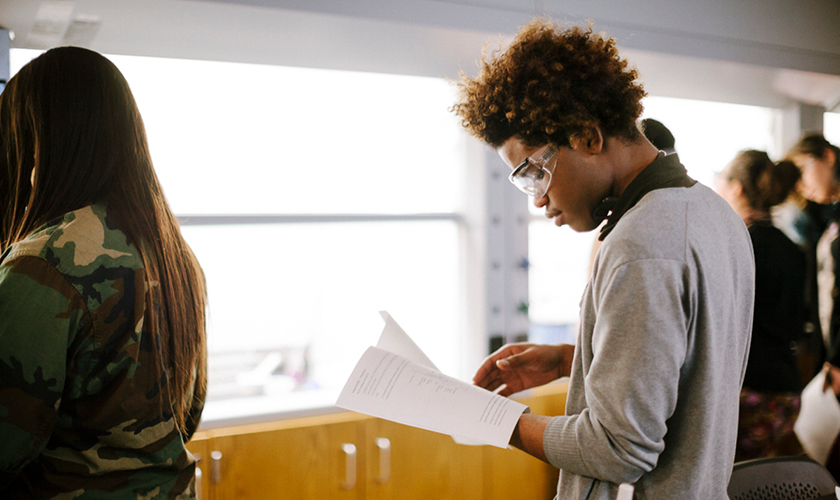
point(760, 52)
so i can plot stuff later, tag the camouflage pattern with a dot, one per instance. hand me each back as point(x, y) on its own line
point(81, 409)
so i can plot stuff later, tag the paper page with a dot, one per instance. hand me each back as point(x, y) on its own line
point(394, 339)
point(818, 423)
point(389, 386)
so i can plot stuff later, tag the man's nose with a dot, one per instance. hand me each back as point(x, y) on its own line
point(541, 201)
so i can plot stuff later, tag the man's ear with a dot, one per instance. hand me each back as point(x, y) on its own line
point(596, 142)
point(591, 141)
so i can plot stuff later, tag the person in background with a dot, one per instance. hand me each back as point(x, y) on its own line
point(102, 302)
point(658, 135)
point(818, 225)
point(770, 397)
point(665, 320)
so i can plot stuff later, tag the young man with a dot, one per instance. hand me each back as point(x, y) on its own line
point(666, 317)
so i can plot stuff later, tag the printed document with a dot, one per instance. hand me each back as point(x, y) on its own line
point(396, 381)
point(818, 423)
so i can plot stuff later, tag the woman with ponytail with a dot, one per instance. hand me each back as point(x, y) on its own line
point(102, 302)
point(770, 397)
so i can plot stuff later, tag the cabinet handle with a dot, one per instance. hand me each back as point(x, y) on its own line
point(198, 495)
point(215, 467)
point(350, 466)
point(384, 445)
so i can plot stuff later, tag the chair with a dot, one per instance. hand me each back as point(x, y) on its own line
point(780, 478)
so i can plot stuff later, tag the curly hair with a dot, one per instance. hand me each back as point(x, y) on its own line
point(551, 85)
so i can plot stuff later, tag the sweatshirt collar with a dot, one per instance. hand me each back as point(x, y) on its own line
point(665, 171)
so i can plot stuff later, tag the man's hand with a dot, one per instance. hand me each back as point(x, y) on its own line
point(522, 366)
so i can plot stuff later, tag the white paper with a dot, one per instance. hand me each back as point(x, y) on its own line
point(406, 388)
point(625, 492)
point(818, 423)
point(394, 339)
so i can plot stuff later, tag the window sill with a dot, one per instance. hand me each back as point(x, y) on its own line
point(267, 408)
point(271, 408)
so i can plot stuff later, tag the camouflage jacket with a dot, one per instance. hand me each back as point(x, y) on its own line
point(81, 413)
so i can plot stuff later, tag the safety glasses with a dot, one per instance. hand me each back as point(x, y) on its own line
point(531, 176)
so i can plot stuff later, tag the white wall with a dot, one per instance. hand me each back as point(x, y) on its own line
point(748, 51)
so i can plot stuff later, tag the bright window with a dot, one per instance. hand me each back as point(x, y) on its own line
point(831, 128)
point(312, 292)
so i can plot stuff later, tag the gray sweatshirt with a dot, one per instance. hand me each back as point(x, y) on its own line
point(661, 352)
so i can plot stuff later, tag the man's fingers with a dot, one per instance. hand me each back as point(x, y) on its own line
point(514, 361)
point(485, 378)
point(484, 371)
point(494, 385)
point(507, 391)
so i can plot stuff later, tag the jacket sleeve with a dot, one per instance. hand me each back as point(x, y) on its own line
point(639, 343)
point(39, 311)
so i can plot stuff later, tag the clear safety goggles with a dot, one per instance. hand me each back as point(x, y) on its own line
point(531, 176)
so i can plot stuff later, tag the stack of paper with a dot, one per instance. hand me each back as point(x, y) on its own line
point(818, 423)
point(396, 381)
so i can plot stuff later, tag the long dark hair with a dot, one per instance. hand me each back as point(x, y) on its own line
point(70, 116)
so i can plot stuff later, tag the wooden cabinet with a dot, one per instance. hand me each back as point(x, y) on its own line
point(315, 457)
point(512, 473)
point(351, 456)
point(420, 465)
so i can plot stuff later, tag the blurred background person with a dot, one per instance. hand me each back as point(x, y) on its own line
point(770, 397)
point(658, 135)
point(817, 227)
point(816, 223)
point(102, 302)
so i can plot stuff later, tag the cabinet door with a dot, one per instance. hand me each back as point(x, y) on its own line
point(513, 473)
point(294, 463)
point(407, 463)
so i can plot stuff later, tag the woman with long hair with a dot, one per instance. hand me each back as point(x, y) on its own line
point(818, 226)
point(102, 302)
point(819, 162)
point(770, 397)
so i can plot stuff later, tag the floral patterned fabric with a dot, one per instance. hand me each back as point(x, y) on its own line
point(765, 424)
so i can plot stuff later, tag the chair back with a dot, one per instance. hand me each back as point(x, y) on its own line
point(780, 478)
